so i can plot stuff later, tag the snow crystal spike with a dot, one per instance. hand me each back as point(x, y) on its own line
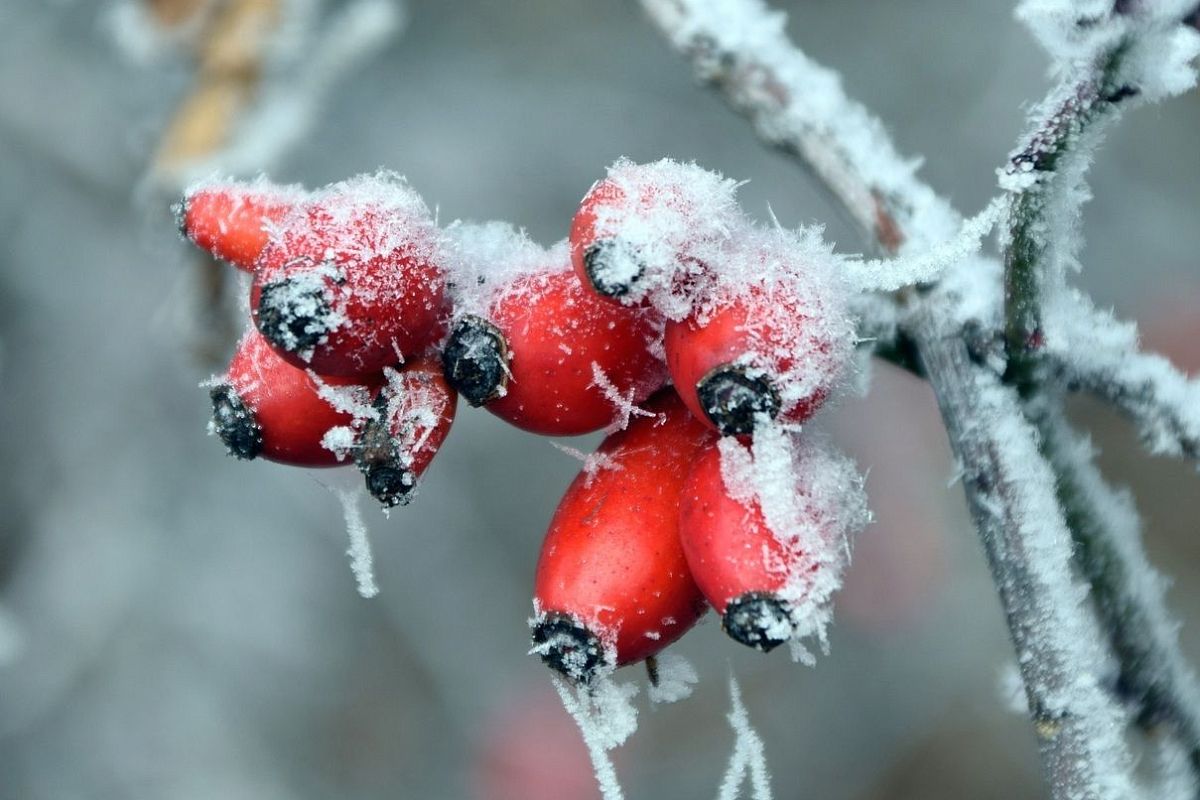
point(568, 647)
point(475, 360)
point(755, 619)
point(732, 399)
point(600, 272)
point(235, 423)
point(291, 320)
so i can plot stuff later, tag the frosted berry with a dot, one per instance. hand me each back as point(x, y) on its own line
point(230, 220)
point(547, 354)
point(650, 229)
point(413, 414)
point(755, 570)
point(612, 584)
point(265, 407)
point(352, 283)
point(771, 349)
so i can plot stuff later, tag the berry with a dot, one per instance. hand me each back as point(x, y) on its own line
point(265, 407)
point(541, 355)
point(230, 220)
point(765, 537)
point(650, 228)
point(612, 584)
point(768, 348)
point(352, 282)
point(413, 414)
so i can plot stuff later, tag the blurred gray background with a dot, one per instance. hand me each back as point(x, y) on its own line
point(175, 624)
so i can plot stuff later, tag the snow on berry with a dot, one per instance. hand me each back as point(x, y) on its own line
point(652, 231)
point(352, 282)
point(765, 530)
point(412, 417)
point(528, 338)
point(264, 406)
point(772, 337)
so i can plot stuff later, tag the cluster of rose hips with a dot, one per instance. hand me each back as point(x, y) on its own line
point(697, 340)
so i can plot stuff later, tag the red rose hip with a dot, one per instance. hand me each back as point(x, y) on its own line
point(765, 536)
point(353, 282)
point(772, 348)
point(265, 407)
point(612, 584)
point(230, 219)
point(547, 355)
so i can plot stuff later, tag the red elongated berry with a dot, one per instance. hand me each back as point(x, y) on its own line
point(650, 229)
point(413, 414)
point(765, 536)
point(265, 407)
point(352, 283)
point(550, 357)
point(773, 347)
point(612, 584)
point(230, 219)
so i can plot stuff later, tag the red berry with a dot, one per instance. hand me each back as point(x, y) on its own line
point(650, 229)
point(755, 571)
point(230, 220)
point(546, 352)
point(352, 283)
point(774, 347)
point(414, 411)
point(612, 583)
point(264, 406)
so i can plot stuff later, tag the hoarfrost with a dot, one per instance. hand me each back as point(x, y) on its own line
point(625, 408)
point(486, 259)
point(888, 274)
point(676, 679)
point(606, 717)
point(1100, 353)
point(812, 500)
point(799, 104)
point(362, 562)
point(593, 463)
point(749, 754)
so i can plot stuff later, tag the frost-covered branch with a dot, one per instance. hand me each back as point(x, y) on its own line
point(1105, 54)
point(1127, 592)
point(740, 48)
point(1094, 352)
point(1010, 493)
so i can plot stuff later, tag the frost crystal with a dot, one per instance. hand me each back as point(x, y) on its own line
point(676, 679)
point(748, 753)
point(606, 717)
point(362, 562)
